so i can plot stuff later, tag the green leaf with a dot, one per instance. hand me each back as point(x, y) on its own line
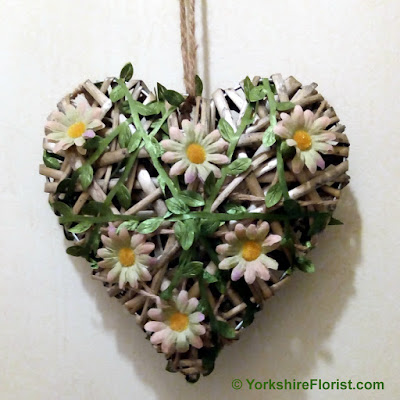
point(334, 221)
point(285, 106)
point(77, 251)
point(192, 269)
point(225, 330)
point(292, 208)
point(269, 137)
point(173, 98)
point(319, 223)
point(198, 86)
point(248, 318)
point(126, 72)
point(124, 135)
point(81, 227)
point(176, 206)
point(209, 278)
point(257, 93)
point(128, 225)
point(209, 184)
point(207, 227)
point(85, 175)
point(304, 264)
point(232, 208)
point(124, 196)
point(155, 146)
point(160, 91)
point(288, 152)
point(247, 118)
point(134, 142)
point(192, 199)
point(226, 130)
point(117, 94)
point(184, 234)
point(96, 208)
point(274, 195)
point(62, 208)
point(162, 184)
point(238, 166)
point(150, 225)
point(93, 144)
point(49, 161)
point(247, 87)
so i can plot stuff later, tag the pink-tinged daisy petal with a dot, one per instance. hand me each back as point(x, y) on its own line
point(89, 134)
point(122, 278)
point(106, 241)
point(80, 141)
point(196, 317)
point(222, 249)
point(320, 161)
point(176, 134)
point(281, 130)
point(62, 145)
point(137, 239)
point(179, 168)
point(319, 125)
point(181, 300)
point(181, 343)
point(237, 273)
point(217, 147)
point(171, 157)
point(285, 117)
point(159, 336)
point(56, 136)
point(156, 314)
point(187, 125)
point(202, 172)
point(323, 147)
point(154, 326)
point(198, 329)
point(144, 274)
point(191, 305)
point(81, 103)
point(56, 126)
point(81, 150)
point(113, 274)
point(217, 158)
point(261, 271)
point(196, 342)
point(145, 248)
point(104, 253)
point(212, 168)
point(96, 113)
point(249, 275)
point(310, 160)
point(132, 277)
point(211, 137)
point(229, 262)
point(298, 116)
point(291, 142)
point(240, 231)
point(107, 264)
point(171, 145)
point(324, 137)
point(190, 174)
point(269, 262)
point(199, 129)
point(251, 232)
point(168, 344)
point(297, 163)
point(262, 230)
point(271, 240)
point(309, 118)
point(231, 238)
point(96, 125)
point(122, 237)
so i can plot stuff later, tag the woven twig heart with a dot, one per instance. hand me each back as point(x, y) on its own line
point(194, 211)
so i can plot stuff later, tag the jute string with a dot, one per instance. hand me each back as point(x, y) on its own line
point(188, 44)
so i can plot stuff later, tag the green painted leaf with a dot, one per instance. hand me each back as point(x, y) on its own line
point(198, 86)
point(150, 225)
point(247, 87)
point(208, 227)
point(285, 106)
point(192, 269)
point(126, 72)
point(226, 130)
point(93, 144)
point(269, 137)
point(209, 278)
point(248, 117)
point(238, 166)
point(96, 208)
point(257, 93)
point(176, 206)
point(124, 135)
point(162, 184)
point(81, 227)
point(117, 93)
point(334, 221)
point(62, 208)
point(273, 195)
point(155, 147)
point(319, 223)
point(124, 196)
point(232, 208)
point(292, 208)
point(173, 98)
point(160, 91)
point(192, 199)
point(304, 264)
point(49, 161)
point(85, 175)
point(134, 142)
point(128, 225)
point(77, 251)
point(184, 234)
point(225, 330)
point(209, 184)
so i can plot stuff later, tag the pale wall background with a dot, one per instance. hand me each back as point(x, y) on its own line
point(61, 337)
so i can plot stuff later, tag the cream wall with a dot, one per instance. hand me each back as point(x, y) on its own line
point(61, 337)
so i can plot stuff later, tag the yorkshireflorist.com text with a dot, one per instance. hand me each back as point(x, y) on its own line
point(311, 384)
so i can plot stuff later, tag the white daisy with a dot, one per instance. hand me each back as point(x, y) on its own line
point(75, 125)
point(177, 325)
point(307, 134)
point(245, 251)
point(194, 151)
point(127, 257)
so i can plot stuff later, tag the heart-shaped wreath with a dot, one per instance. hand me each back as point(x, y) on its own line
point(193, 211)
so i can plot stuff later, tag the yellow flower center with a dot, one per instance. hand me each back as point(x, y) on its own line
point(178, 322)
point(76, 130)
point(196, 153)
point(251, 250)
point(303, 139)
point(126, 256)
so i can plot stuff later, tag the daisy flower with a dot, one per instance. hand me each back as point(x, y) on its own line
point(75, 125)
point(307, 134)
point(194, 151)
point(127, 257)
point(177, 325)
point(245, 251)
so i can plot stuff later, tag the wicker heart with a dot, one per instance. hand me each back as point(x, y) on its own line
point(193, 211)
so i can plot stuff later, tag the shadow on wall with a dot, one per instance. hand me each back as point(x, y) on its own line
point(287, 339)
